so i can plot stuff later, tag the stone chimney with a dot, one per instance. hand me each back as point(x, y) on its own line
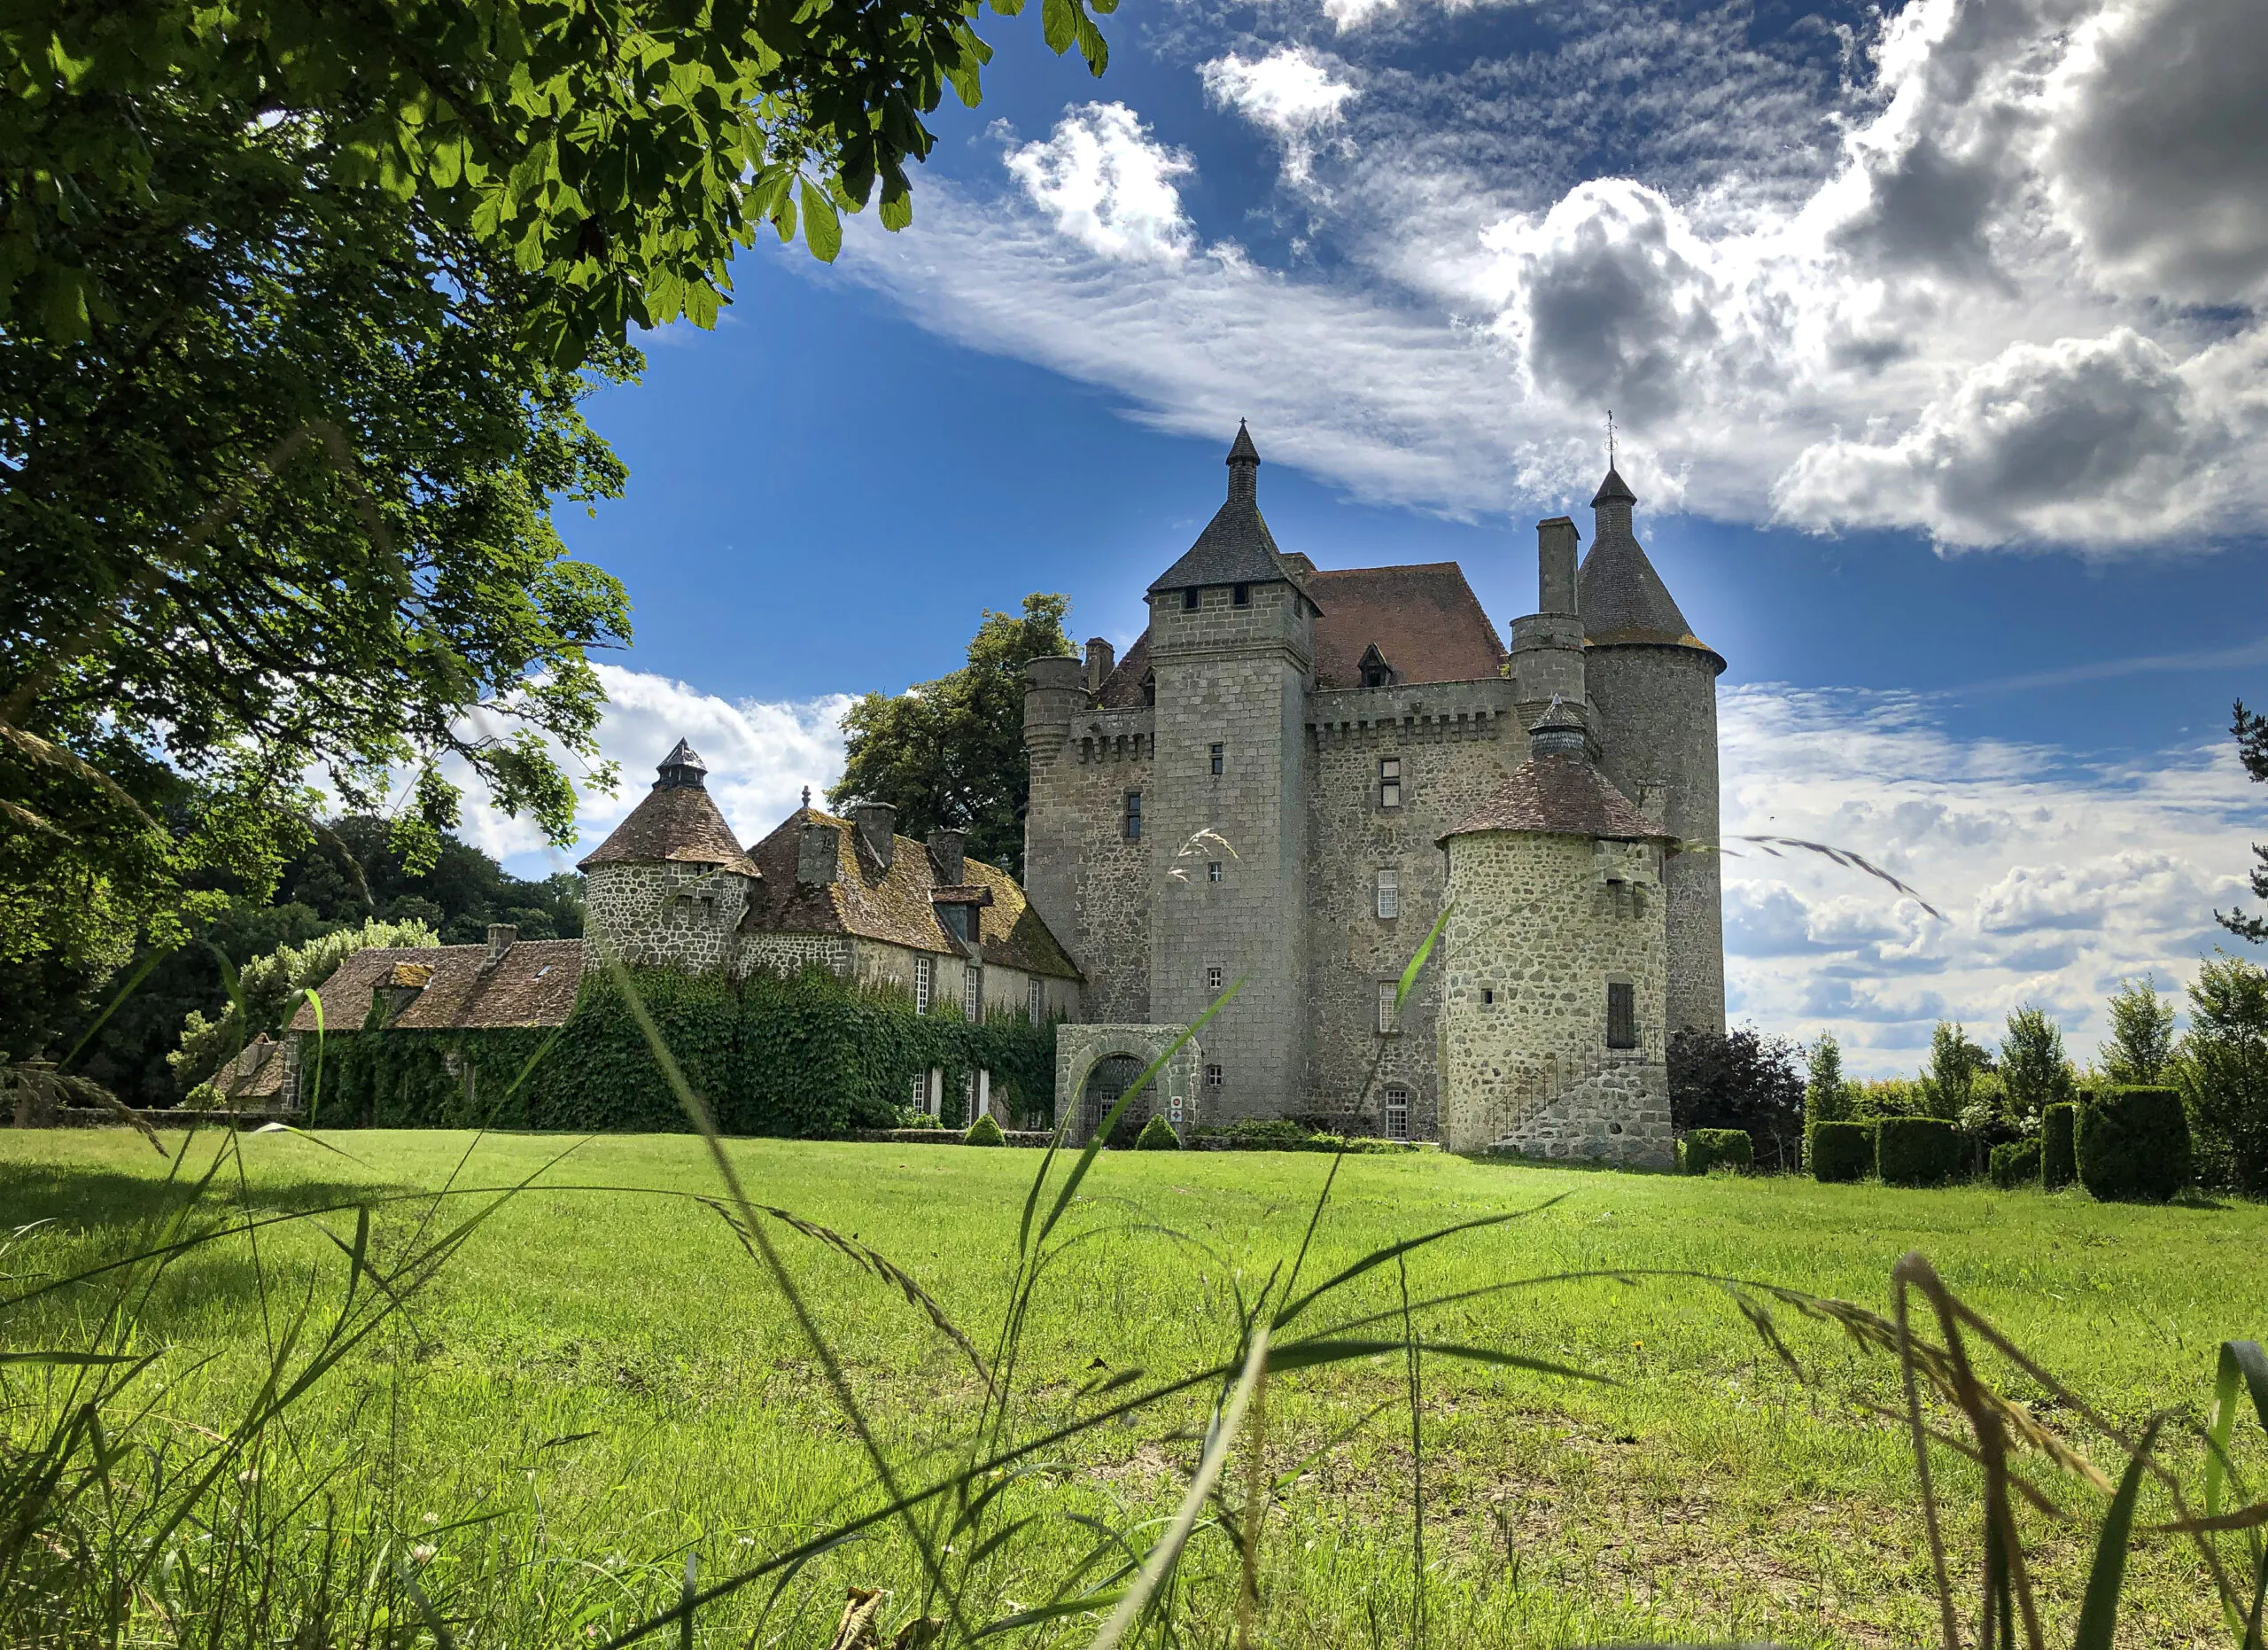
point(1555, 556)
point(946, 847)
point(1100, 656)
point(877, 823)
point(501, 937)
point(818, 853)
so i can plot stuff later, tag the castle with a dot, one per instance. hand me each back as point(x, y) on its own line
point(1293, 771)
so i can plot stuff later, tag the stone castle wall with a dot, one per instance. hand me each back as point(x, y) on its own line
point(1091, 886)
point(1236, 677)
point(1542, 925)
point(1453, 741)
point(1656, 709)
point(673, 915)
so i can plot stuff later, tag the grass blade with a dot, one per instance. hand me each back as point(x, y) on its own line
point(2099, 1613)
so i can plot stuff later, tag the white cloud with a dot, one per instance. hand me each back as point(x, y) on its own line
point(1107, 185)
point(1944, 282)
point(1289, 93)
point(2057, 877)
point(759, 754)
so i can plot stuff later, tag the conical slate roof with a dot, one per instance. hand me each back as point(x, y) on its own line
point(1236, 547)
point(1621, 597)
point(1560, 796)
point(677, 822)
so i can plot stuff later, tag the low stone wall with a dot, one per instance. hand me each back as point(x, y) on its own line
point(945, 1137)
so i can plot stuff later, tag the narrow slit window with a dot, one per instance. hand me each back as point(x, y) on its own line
point(925, 980)
point(1621, 1015)
point(1397, 1113)
point(1133, 816)
point(1389, 781)
point(1220, 759)
point(1035, 999)
point(1389, 1022)
point(1389, 893)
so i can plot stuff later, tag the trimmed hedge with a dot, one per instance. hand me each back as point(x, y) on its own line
point(1157, 1136)
point(2134, 1144)
point(2058, 1158)
point(1919, 1151)
point(811, 1056)
point(2016, 1164)
point(984, 1131)
point(1703, 1149)
point(1840, 1151)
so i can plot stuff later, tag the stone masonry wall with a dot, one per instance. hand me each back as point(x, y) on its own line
point(675, 916)
point(1453, 741)
point(1544, 924)
point(1657, 713)
point(1234, 676)
point(1077, 817)
point(791, 953)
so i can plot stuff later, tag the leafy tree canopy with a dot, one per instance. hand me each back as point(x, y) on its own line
point(1826, 1096)
point(2142, 1033)
point(2034, 1074)
point(951, 752)
point(2223, 1072)
point(2251, 730)
point(1739, 1079)
point(1956, 1061)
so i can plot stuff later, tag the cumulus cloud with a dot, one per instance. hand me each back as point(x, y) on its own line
point(1290, 94)
point(1943, 277)
point(2058, 876)
point(1107, 185)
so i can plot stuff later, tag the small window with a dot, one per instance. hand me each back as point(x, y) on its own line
point(1212, 1076)
point(1189, 598)
point(925, 980)
point(1220, 758)
point(971, 996)
point(1389, 893)
point(1621, 1017)
point(1487, 995)
point(1389, 1022)
point(1133, 816)
point(1035, 999)
point(1213, 868)
point(1397, 1114)
point(1149, 689)
point(1240, 596)
point(1215, 975)
point(920, 1091)
point(1389, 781)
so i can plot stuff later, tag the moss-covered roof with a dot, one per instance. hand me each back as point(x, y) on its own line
point(893, 905)
point(533, 983)
point(1560, 796)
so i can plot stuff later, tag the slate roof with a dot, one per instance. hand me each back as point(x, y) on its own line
point(1236, 547)
point(534, 984)
point(674, 823)
point(895, 906)
point(1423, 619)
point(1614, 489)
point(1622, 599)
point(1564, 795)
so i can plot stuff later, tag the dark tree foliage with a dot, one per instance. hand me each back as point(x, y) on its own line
point(318, 893)
point(951, 752)
point(2251, 730)
point(1740, 1080)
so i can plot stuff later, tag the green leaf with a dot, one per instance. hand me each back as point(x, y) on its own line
point(822, 229)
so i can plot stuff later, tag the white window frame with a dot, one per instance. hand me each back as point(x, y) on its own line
point(920, 1091)
point(1389, 781)
point(1396, 1112)
point(925, 982)
point(1212, 870)
point(1387, 894)
point(972, 993)
point(1035, 999)
point(1389, 1021)
point(1215, 977)
point(1214, 1077)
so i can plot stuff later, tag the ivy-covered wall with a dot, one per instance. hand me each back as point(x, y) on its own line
point(811, 1056)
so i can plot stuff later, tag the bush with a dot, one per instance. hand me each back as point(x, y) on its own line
point(2059, 1162)
point(984, 1131)
point(1703, 1149)
point(1918, 1151)
point(1740, 1080)
point(1840, 1151)
point(1157, 1136)
point(2134, 1144)
point(2016, 1164)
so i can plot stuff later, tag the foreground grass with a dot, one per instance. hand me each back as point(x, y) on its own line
point(605, 1379)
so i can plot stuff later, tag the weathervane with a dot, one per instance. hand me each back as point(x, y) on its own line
point(1610, 437)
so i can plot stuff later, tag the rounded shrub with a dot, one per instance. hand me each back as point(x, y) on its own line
point(1157, 1136)
point(984, 1131)
point(2134, 1144)
point(2058, 1161)
point(1918, 1151)
point(1703, 1149)
point(2016, 1164)
point(1840, 1151)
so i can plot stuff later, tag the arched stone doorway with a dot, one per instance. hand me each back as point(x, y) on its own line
point(1095, 1064)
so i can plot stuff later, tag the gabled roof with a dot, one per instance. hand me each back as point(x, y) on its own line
point(1560, 796)
point(895, 906)
point(674, 823)
point(533, 983)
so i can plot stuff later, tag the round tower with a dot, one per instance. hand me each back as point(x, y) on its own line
point(668, 887)
point(1652, 686)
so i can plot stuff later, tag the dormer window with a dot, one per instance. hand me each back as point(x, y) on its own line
point(1376, 672)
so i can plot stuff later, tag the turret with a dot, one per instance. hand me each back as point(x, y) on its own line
point(669, 886)
point(1548, 644)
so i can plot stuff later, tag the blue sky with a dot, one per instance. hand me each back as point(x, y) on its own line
point(1934, 335)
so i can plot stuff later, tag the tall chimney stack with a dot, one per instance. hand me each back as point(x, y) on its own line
point(1555, 556)
point(1100, 657)
point(877, 823)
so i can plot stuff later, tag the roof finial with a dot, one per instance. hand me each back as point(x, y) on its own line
point(1610, 437)
point(807, 796)
point(681, 767)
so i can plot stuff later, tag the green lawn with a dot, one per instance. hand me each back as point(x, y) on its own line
point(611, 1376)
